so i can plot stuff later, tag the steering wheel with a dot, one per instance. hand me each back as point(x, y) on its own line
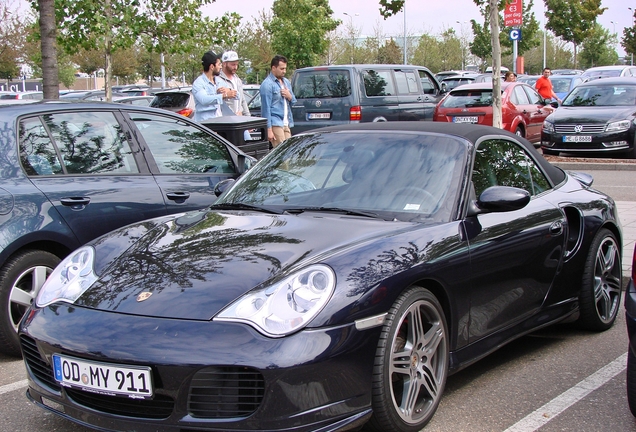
point(423, 196)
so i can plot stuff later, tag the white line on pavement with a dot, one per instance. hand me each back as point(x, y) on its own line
point(556, 406)
point(13, 386)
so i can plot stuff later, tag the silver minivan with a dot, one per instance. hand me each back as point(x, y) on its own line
point(334, 95)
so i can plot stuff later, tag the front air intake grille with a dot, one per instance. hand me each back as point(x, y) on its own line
point(39, 367)
point(225, 392)
point(159, 407)
point(579, 128)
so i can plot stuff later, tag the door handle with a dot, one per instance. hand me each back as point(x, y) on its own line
point(556, 228)
point(75, 202)
point(178, 197)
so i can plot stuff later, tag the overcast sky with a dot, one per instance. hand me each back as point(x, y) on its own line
point(422, 16)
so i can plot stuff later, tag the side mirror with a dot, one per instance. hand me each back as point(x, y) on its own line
point(499, 199)
point(222, 186)
point(554, 104)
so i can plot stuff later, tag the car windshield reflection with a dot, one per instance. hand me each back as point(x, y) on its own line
point(390, 176)
point(602, 95)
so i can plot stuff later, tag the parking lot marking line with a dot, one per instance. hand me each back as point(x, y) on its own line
point(13, 386)
point(556, 406)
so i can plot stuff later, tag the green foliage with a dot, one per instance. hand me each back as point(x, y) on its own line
point(299, 29)
point(13, 33)
point(598, 48)
point(390, 53)
point(573, 20)
point(255, 43)
point(629, 37)
point(390, 7)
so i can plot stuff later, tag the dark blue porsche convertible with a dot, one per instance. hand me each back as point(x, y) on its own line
point(336, 284)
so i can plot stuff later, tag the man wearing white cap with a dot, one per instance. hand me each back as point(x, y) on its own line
point(228, 78)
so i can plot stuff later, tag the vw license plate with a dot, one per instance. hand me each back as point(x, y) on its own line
point(464, 119)
point(107, 379)
point(319, 116)
point(577, 138)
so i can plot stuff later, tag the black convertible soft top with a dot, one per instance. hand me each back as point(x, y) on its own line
point(470, 132)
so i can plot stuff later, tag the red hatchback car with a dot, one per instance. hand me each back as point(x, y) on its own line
point(523, 109)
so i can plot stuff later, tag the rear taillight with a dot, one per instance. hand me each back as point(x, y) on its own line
point(186, 112)
point(355, 113)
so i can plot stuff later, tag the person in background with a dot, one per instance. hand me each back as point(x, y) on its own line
point(208, 97)
point(510, 76)
point(544, 86)
point(276, 100)
point(228, 78)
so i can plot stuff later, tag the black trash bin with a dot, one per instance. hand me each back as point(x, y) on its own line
point(233, 128)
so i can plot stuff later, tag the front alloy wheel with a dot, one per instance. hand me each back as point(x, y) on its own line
point(411, 363)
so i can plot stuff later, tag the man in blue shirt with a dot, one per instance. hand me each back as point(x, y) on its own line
point(276, 100)
point(208, 97)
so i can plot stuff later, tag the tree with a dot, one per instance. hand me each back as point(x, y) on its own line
point(390, 53)
point(12, 41)
point(573, 20)
point(255, 43)
point(114, 25)
point(598, 49)
point(48, 43)
point(298, 29)
point(629, 37)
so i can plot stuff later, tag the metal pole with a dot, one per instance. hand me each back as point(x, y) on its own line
point(514, 55)
point(404, 9)
point(545, 32)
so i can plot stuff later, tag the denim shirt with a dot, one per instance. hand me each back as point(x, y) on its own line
point(207, 102)
point(272, 102)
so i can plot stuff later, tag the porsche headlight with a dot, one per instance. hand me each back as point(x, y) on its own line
point(287, 305)
point(618, 126)
point(70, 279)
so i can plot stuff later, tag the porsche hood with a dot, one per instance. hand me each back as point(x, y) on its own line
point(192, 266)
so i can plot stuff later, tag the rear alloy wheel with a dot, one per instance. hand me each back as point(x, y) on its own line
point(600, 295)
point(411, 363)
point(519, 132)
point(20, 281)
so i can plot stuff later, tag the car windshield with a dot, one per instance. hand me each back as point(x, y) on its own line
point(170, 100)
point(561, 85)
point(468, 98)
point(608, 73)
point(602, 95)
point(388, 175)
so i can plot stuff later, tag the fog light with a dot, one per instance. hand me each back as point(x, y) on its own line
point(615, 144)
point(547, 143)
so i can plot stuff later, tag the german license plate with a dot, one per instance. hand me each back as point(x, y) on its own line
point(465, 119)
point(108, 379)
point(577, 138)
point(319, 116)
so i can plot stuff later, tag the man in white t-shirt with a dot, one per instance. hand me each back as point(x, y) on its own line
point(228, 78)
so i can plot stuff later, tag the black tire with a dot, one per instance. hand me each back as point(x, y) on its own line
point(411, 360)
point(20, 280)
point(600, 295)
point(631, 381)
point(519, 132)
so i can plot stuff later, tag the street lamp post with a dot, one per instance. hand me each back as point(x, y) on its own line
point(352, 33)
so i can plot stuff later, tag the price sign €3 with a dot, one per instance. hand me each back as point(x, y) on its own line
point(513, 13)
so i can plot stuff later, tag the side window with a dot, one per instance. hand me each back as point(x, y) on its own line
point(504, 163)
point(427, 82)
point(91, 143)
point(37, 152)
point(378, 83)
point(178, 147)
point(520, 96)
point(406, 82)
point(533, 95)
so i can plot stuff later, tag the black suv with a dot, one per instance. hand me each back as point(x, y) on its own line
point(71, 172)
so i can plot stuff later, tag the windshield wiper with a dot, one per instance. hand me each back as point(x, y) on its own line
point(335, 210)
point(243, 206)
